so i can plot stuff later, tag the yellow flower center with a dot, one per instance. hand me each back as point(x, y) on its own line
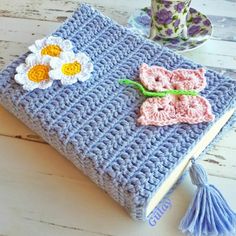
point(71, 68)
point(51, 50)
point(38, 73)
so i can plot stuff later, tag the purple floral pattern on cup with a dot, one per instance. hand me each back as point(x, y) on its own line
point(144, 20)
point(207, 22)
point(169, 32)
point(197, 20)
point(167, 4)
point(176, 23)
point(192, 10)
point(164, 17)
point(168, 16)
point(199, 29)
point(193, 30)
point(174, 41)
point(180, 6)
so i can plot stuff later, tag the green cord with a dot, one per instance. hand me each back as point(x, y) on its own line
point(147, 93)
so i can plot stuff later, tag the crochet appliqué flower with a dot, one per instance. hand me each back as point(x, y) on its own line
point(53, 59)
point(71, 67)
point(51, 46)
point(34, 73)
point(172, 96)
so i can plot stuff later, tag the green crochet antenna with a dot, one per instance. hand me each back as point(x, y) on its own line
point(148, 93)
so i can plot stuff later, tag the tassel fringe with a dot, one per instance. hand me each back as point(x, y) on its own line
point(208, 214)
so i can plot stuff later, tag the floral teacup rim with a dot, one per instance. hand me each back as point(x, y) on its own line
point(199, 30)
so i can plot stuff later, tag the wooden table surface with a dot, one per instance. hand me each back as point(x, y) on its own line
point(41, 193)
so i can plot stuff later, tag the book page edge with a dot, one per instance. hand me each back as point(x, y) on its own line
point(194, 153)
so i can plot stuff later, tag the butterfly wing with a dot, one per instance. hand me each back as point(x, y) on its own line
point(158, 112)
point(172, 110)
point(155, 78)
point(187, 79)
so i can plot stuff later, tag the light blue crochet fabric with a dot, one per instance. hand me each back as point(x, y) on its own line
point(94, 124)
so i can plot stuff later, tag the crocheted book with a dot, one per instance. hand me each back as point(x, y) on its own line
point(80, 106)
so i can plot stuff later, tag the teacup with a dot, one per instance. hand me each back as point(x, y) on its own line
point(169, 18)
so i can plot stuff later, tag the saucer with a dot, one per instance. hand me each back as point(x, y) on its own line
point(199, 29)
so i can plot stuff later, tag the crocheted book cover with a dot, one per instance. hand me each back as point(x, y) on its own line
point(95, 123)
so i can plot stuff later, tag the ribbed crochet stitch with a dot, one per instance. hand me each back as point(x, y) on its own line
point(94, 123)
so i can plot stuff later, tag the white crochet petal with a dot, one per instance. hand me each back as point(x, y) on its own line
point(67, 56)
point(22, 68)
point(30, 86)
point(55, 74)
point(56, 62)
point(44, 59)
point(54, 40)
point(88, 67)
point(66, 45)
point(82, 58)
point(33, 48)
point(32, 59)
point(20, 78)
point(83, 77)
point(45, 84)
point(67, 80)
point(40, 43)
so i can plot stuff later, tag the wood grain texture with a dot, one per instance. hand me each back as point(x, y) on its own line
point(41, 193)
point(58, 10)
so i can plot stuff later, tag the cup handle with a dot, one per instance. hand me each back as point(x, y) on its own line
point(153, 31)
point(185, 32)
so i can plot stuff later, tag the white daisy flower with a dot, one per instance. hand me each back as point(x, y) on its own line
point(70, 68)
point(51, 46)
point(34, 73)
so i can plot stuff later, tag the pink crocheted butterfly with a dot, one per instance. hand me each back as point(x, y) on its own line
point(172, 96)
